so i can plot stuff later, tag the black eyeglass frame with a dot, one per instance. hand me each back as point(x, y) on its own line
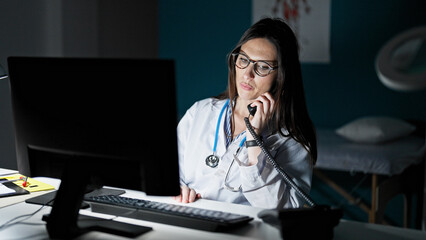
point(271, 68)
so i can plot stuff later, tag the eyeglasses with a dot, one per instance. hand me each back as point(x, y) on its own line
point(261, 68)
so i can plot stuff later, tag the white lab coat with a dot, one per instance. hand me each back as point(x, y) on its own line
point(261, 184)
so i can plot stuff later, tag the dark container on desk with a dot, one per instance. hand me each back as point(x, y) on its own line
point(309, 223)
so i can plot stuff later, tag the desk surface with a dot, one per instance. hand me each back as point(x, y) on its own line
point(35, 228)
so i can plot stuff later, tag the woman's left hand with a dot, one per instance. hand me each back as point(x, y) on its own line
point(187, 195)
point(265, 105)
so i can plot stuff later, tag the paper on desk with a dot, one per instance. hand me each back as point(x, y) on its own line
point(5, 190)
point(32, 184)
point(4, 171)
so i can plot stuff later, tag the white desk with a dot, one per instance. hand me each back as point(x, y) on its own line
point(255, 230)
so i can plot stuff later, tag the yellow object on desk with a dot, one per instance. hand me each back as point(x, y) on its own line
point(32, 185)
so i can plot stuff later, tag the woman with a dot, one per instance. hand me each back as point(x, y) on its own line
point(217, 155)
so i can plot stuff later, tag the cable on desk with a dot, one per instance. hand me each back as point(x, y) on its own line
point(25, 216)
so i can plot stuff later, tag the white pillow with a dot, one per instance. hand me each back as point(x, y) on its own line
point(375, 129)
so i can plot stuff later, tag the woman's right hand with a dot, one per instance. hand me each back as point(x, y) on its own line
point(187, 195)
point(265, 105)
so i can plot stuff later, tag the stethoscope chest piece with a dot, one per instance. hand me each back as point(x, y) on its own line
point(212, 161)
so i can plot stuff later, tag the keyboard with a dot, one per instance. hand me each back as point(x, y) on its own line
point(172, 214)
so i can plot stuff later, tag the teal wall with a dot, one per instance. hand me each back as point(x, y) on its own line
point(198, 34)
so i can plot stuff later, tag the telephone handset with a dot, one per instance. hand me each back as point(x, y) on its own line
point(252, 110)
point(293, 223)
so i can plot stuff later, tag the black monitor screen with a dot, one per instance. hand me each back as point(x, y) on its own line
point(114, 118)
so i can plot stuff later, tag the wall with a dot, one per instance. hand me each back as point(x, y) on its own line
point(78, 28)
point(27, 28)
point(199, 34)
point(348, 87)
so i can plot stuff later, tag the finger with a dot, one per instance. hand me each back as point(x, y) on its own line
point(265, 102)
point(184, 194)
point(271, 101)
point(198, 196)
point(178, 198)
point(192, 195)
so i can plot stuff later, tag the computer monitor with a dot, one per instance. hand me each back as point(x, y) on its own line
point(92, 121)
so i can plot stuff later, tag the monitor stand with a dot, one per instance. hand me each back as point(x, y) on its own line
point(64, 221)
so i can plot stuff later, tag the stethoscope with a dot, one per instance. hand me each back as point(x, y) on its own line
point(213, 160)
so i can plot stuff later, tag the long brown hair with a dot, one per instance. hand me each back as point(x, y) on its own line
point(290, 110)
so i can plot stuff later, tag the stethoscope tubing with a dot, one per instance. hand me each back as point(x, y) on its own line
point(233, 189)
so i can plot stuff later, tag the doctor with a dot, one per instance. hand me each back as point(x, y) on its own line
point(219, 160)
